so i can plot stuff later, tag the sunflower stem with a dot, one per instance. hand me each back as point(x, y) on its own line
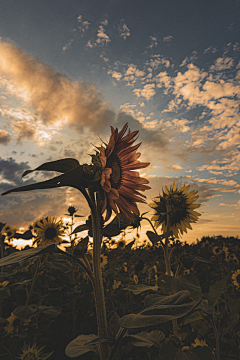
point(98, 282)
point(33, 281)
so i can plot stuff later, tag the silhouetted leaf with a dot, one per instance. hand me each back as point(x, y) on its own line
point(62, 166)
point(80, 228)
point(155, 238)
point(145, 339)
point(25, 312)
point(81, 345)
point(25, 254)
point(27, 235)
point(217, 289)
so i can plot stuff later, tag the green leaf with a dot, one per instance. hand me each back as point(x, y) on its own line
point(62, 166)
point(187, 282)
point(173, 284)
point(25, 254)
point(81, 345)
point(80, 228)
point(59, 265)
point(193, 317)
point(139, 288)
point(113, 326)
point(4, 292)
point(216, 290)
point(167, 309)
point(75, 178)
point(151, 299)
point(145, 339)
point(25, 312)
point(51, 311)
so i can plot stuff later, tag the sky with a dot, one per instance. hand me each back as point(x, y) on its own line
point(71, 68)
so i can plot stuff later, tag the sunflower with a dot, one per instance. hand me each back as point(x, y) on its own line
point(135, 279)
point(13, 323)
point(233, 258)
point(216, 250)
point(31, 353)
point(198, 342)
point(121, 244)
point(236, 278)
point(121, 184)
point(116, 285)
point(9, 231)
point(174, 210)
point(104, 260)
point(48, 231)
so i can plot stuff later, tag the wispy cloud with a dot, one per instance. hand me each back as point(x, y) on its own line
point(5, 137)
point(123, 30)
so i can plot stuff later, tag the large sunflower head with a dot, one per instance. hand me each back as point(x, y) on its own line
point(119, 180)
point(236, 278)
point(174, 210)
point(48, 231)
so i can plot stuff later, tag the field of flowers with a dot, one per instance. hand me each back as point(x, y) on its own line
point(111, 300)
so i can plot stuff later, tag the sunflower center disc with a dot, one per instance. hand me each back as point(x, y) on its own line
point(116, 177)
point(50, 233)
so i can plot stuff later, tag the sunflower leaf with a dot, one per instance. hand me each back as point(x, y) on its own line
point(145, 339)
point(27, 235)
point(76, 178)
point(25, 312)
point(217, 289)
point(167, 309)
point(139, 288)
point(80, 228)
point(62, 166)
point(2, 226)
point(81, 345)
point(25, 254)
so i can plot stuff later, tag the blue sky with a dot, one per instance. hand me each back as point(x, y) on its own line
point(70, 69)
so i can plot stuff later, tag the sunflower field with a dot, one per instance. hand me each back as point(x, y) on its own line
point(100, 297)
point(47, 301)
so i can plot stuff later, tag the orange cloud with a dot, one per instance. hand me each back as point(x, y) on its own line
point(55, 97)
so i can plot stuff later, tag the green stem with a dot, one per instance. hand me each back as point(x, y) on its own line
point(33, 282)
point(98, 282)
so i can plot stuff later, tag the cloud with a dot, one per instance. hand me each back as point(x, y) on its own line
point(5, 137)
point(102, 37)
point(167, 39)
point(116, 75)
point(148, 91)
point(24, 130)
point(221, 64)
point(123, 30)
point(56, 98)
point(153, 42)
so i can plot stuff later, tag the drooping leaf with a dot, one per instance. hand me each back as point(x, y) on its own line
point(51, 311)
point(59, 265)
point(62, 166)
point(81, 345)
point(173, 284)
point(151, 299)
point(113, 326)
point(139, 288)
point(216, 290)
point(155, 238)
point(25, 312)
point(113, 228)
point(172, 307)
point(80, 228)
point(2, 226)
point(81, 247)
point(25, 254)
point(75, 178)
point(145, 339)
point(4, 292)
point(27, 235)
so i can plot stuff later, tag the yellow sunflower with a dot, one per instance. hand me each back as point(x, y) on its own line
point(9, 231)
point(236, 278)
point(135, 279)
point(31, 352)
point(13, 323)
point(121, 184)
point(174, 210)
point(121, 244)
point(198, 342)
point(116, 285)
point(48, 231)
point(104, 260)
